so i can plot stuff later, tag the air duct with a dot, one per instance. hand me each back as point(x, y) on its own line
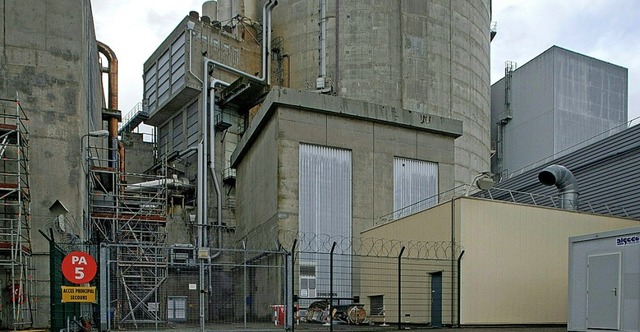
point(566, 183)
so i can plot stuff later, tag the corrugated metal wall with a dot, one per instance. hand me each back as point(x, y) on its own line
point(606, 171)
point(167, 76)
point(415, 185)
point(325, 209)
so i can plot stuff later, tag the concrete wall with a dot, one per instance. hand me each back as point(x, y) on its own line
point(139, 155)
point(423, 56)
point(268, 187)
point(49, 58)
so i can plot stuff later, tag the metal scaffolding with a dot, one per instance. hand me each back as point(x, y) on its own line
point(128, 213)
point(16, 266)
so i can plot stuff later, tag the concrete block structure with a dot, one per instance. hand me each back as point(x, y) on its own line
point(429, 57)
point(49, 62)
point(544, 108)
point(373, 136)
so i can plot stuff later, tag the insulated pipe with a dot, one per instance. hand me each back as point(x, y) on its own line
point(323, 39)
point(566, 183)
point(266, 43)
point(202, 174)
point(212, 159)
point(112, 102)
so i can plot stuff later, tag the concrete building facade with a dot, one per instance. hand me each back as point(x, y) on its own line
point(49, 62)
point(557, 100)
point(430, 57)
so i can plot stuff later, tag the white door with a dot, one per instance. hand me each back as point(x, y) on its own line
point(603, 292)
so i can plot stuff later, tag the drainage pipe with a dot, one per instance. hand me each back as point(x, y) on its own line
point(566, 183)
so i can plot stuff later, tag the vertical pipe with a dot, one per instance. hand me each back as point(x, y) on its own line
point(459, 276)
point(199, 238)
point(322, 72)
point(333, 247)
point(400, 288)
point(337, 49)
point(112, 100)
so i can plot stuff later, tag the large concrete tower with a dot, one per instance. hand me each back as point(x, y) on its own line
point(424, 56)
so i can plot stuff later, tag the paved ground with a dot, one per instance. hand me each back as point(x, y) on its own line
point(355, 328)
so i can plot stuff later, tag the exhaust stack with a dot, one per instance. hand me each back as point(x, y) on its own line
point(566, 183)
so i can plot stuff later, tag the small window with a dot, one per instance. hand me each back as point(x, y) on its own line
point(377, 305)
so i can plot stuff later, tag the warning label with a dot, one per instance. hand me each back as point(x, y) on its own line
point(78, 294)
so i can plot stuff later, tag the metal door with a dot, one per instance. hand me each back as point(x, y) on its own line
point(603, 289)
point(436, 299)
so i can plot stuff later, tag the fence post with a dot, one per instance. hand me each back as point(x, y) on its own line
point(400, 288)
point(244, 285)
point(290, 296)
point(333, 247)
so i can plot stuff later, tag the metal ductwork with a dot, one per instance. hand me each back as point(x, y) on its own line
point(566, 183)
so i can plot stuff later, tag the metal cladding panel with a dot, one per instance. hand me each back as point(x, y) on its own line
point(163, 77)
point(178, 133)
point(415, 185)
point(192, 124)
point(178, 56)
point(163, 139)
point(606, 171)
point(150, 88)
point(325, 209)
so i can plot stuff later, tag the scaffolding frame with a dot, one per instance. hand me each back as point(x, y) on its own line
point(15, 230)
point(128, 213)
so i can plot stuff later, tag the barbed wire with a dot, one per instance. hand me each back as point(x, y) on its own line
point(356, 246)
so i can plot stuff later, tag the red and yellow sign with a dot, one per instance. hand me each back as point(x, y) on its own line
point(78, 294)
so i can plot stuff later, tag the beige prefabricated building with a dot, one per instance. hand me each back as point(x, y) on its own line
point(514, 267)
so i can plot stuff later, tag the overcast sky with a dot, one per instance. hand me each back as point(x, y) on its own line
point(608, 30)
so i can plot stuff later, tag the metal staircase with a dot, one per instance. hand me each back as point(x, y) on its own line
point(128, 214)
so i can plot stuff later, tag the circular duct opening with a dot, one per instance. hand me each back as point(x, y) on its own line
point(547, 178)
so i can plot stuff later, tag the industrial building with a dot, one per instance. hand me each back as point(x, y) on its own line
point(557, 100)
point(284, 131)
point(602, 170)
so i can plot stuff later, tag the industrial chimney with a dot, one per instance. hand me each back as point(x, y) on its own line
point(567, 186)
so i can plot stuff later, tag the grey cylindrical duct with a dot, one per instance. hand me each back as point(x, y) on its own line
point(567, 186)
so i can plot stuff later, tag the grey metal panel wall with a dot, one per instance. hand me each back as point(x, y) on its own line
point(192, 124)
point(559, 99)
point(529, 136)
point(178, 133)
point(150, 88)
point(164, 133)
point(325, 208)
point(415, 185)
point(167, 76)
point(607, 173)
point(163, 77)
point(178, 68)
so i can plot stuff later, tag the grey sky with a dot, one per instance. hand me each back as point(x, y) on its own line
point(604, 29)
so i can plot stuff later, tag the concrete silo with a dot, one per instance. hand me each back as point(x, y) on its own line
point(423, 56)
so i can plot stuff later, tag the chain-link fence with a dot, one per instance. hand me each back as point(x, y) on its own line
point(304, 281)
